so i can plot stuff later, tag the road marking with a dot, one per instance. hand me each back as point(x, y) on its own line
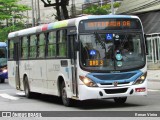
point(4, 95)
point(153, 90)
point(5, 90)
point(21, 93)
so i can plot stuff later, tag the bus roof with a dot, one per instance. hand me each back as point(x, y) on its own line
point(3, 44)
point(63, 23)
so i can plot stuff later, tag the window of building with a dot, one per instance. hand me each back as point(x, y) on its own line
point(33, 42)
point(41, 46)
point(24, 50)
point(51, 48)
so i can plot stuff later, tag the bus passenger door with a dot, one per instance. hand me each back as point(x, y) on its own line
point(73, 55)
point(16, 59)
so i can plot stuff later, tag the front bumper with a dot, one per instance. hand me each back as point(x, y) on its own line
point(110, 92)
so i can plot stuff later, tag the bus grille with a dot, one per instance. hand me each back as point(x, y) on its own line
point(115, 76)
point(115, 91)
point(112, 83)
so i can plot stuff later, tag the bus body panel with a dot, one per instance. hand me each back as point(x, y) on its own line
point(37, 75)
point(11, 73)
point(54, 71)
point(23, 71)
point(43, 80)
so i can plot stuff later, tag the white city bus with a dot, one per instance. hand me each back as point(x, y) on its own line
point(90, 57)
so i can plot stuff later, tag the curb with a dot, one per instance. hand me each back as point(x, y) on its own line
point(153, 80)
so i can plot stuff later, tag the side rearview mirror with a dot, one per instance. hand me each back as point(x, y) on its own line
point(146, 46)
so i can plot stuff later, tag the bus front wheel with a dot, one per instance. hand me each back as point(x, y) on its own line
point(28, 94)
point(66, 101)
point(120, 100)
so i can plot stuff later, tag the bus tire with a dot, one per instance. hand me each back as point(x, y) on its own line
point(120, 100)
point(27, 91)
point(66, 101)
point(2, 80)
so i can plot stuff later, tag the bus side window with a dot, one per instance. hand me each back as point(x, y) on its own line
point(33, 42)
point(2, 54)
point(11, 49)
point(62, 43)
point(41, 46)
point(51, 46)
point(24, 49)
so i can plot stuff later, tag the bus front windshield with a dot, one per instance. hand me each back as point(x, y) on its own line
point(111, 51)
point(3, 57)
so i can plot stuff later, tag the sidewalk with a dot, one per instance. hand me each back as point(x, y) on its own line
point(153, 79)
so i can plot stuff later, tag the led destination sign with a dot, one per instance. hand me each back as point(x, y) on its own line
point(110, 24)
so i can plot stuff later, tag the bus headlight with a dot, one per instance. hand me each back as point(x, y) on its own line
point(87, 81)
point(141, 79)
point(4, 71)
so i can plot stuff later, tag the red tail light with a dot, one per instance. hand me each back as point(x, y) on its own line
point(140, 89)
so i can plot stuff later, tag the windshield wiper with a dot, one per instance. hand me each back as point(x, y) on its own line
point(99, 39)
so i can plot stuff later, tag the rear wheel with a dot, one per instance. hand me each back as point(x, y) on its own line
point(2, 80)
point(66, 101)
point(120, 100)
point(27, 91)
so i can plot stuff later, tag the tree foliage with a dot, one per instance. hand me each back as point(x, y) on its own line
point(100, 10)
point(96, 10)
point(11, 16)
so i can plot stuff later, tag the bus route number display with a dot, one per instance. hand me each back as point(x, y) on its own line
point(92, 63)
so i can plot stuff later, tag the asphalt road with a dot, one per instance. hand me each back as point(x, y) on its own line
point(13, 100)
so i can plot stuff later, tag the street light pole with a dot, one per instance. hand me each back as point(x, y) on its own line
point(112, 8)
point(101, 2)
point(39, 16)
point(33, 19)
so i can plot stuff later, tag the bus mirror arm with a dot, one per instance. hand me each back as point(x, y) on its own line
point(146, 46)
